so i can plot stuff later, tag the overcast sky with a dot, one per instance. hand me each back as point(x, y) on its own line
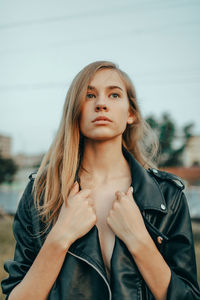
point(45, 43)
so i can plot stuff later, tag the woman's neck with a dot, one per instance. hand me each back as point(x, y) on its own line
point(104, 160)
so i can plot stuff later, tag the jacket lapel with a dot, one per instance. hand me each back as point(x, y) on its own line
point(147, 193)
point(88, 247)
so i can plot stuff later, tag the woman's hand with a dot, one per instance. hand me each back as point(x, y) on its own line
point(127, 223)
point(126, 220)
point(76, 218)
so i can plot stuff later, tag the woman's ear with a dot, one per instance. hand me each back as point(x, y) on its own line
point(131, 118)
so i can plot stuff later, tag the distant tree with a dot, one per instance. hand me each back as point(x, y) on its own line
point(166, 130)
point(8, 168)
point(187, 130)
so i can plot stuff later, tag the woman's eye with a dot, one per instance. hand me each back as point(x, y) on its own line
point(114, 95)
point(89, 95)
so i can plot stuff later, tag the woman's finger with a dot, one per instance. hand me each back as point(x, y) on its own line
point(119, 195)
point(130, 191)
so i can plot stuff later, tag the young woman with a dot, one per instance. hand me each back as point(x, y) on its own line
point(97, 223)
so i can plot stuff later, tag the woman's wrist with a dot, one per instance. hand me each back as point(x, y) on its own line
point(56, 242)
point(137, 244)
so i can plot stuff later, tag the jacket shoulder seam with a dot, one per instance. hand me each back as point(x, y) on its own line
point(163, 175)
point(176, 201)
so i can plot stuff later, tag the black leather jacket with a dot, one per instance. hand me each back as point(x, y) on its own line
point(164, 208)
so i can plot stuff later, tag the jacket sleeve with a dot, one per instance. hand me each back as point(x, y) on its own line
point(180, 254)
point(24, 251)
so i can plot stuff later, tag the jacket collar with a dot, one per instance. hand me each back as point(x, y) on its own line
point(146, 190)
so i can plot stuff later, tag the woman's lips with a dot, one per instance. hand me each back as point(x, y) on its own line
point(101, 119)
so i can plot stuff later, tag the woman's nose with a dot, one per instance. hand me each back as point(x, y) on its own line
point(101, 103)
point(100, 107)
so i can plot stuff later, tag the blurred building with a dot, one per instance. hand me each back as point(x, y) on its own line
point(5, 146)
point(28, 161)
point(191, 155)
point(191, 175)
point(190, 171)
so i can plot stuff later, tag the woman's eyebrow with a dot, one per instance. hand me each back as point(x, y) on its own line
point(91, 87)
point(110, 87)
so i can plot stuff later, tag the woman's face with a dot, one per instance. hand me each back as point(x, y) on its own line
point(106, 97)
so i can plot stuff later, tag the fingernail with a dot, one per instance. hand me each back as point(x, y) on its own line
point(131, 188)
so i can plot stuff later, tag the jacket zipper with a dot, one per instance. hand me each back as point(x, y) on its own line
point(104, 278)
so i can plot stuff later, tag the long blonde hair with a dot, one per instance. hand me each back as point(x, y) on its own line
point(57, 171)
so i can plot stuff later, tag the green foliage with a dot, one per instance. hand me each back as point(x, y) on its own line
point(188, 130)
point(8, 168)
point(166, 130)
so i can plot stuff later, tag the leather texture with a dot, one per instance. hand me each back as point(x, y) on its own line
point(163, 205)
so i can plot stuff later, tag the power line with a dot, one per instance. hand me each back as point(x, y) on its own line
point(141, 79)
point(123, 34)
point(34, 86)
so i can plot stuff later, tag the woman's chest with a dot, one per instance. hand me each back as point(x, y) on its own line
point(102, 198)
point(103, 201)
